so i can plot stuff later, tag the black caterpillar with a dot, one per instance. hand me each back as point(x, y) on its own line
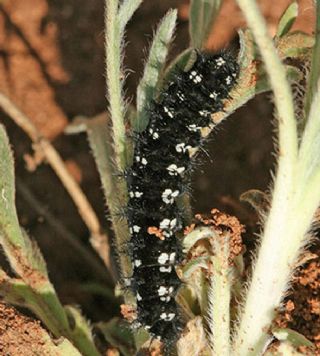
point(159, 175)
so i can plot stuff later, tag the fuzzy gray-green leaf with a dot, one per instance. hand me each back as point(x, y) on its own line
point(126, 10)
point(314, 73)
point(9, 225)
point(154, 66)
point(114, 187)
point(81, 331)
point(202, 16)
point(287, 19)
point(196, 235)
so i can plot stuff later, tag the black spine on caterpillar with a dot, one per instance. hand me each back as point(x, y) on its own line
point(159, 175)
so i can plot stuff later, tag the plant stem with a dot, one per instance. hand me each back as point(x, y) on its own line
point(314, 74)
point(114, 83)
point(219, 298)
point(268, 285)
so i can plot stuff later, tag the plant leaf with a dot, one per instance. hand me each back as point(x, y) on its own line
point(196, 235)
point(99, 136)
point(202, 16)
point(126, 10)
point(193, 265)
point(295, 45)
point(287, 19)
point(296, 339)
point(9, 224)
point(119, 335)
point(257, 199)
point(81, 331)
point(155, 64)
point(43, 302)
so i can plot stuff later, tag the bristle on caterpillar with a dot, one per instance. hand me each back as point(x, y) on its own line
point(159, 175)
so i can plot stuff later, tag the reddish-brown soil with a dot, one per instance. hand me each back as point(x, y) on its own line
point(20, 335)
point(52, 67)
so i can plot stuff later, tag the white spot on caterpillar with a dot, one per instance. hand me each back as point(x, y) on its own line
point(228, 80)
point(204, 112)
point(174, 170)
point(173, 223)
point(137, 263)
point(165, 299)
point(166, 110)
point(135, 194)
point(193, 127)
point(167, 316)
point(142, 160)
point(164, 291)
point(154, 134)
point(195, 77)
point(168, 224)
point(147, 327)
point(138, 297)
point(167, 233)
point(220, 61)
point(163, 258)
point(181, 147)
point(172, 257)
point(180, 95)
point(163, 269)
point(136, 228)
point(213, 95)
point(168, 196)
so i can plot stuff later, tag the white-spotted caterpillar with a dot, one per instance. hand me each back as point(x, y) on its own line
point(159, 175)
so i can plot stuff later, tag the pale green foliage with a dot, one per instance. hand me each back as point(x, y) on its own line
point(32, 289)
point(219, 312)
point(295, 198)
point(287, 19)
point(202, 16)
point(157, 56)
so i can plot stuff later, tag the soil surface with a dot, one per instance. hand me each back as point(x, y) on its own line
point(20, 335)
point(52, 67)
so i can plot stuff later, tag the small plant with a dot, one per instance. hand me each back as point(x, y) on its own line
point(222, 313)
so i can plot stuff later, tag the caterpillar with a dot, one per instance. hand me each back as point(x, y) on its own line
point(159, 175)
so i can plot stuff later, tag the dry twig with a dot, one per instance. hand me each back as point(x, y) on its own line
point(99, 239)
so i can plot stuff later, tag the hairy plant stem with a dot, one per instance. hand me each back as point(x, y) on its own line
point(314, 74)
point(113, 45)
point(219, 298)
point(268, 285)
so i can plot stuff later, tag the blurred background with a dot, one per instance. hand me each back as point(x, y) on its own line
point(52, 68)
